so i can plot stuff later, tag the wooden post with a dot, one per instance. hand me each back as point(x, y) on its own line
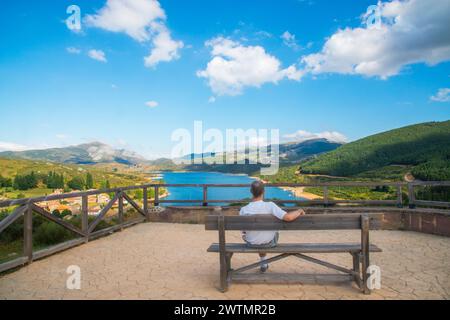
point(411, 196)
point(120, 209)
point(85, 217)
point(156, 196)
point(365, 251)
point(325, 196)
point(356, 268)
point(399, 196)
point(147, 213)
point(222, 254)
point(28, 234)
point(205, 196)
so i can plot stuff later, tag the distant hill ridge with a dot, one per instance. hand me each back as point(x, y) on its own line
point(88, 153)
point(292, 151)
point(424, 146)
point(289, 153)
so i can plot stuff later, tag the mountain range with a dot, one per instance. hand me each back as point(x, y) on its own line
point(88, 153)
point(97, 152)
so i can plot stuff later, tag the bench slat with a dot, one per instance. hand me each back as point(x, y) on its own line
point(295, 248)
point(308, 222)
point(290, 278)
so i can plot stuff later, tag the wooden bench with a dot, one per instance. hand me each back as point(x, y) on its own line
point(359, 251)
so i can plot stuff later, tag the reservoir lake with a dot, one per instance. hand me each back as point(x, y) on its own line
point(219, 193)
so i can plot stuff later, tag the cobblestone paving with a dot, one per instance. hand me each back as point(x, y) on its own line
point(169, 261)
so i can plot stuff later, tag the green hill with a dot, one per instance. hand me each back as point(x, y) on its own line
point(117, 175)
point(424, 148)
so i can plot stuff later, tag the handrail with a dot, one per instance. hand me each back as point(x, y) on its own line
point(412, 201)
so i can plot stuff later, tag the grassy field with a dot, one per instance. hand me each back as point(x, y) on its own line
point(117, 175)
point(291, 174)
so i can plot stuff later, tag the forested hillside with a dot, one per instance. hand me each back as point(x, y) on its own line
point(425, 147)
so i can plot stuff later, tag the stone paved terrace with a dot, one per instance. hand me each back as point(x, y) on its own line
point(169, 261)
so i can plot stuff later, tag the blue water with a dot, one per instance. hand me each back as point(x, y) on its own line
point(183, 193)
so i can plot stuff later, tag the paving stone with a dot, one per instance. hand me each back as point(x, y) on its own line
point(169, 261)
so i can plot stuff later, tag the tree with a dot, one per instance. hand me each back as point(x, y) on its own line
point(54, 180)
point(105, 185)
point(25, 182)
point(5, 182)
point(89, 181)
point(66, 212)
point(76, 183)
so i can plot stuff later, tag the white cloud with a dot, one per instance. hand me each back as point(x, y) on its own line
point(443, 95)
point(142, 20)
point(289, 40)
point(73, 50)
point(302, 135)
point(151, 104)
point(133, 17)
point(234, 66)
point(411, 31)
point(164, 49)
point(98, 55)
point(11, 146)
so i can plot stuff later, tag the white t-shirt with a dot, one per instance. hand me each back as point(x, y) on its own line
point(261, 207)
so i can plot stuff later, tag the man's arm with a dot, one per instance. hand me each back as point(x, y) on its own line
point(294, 215)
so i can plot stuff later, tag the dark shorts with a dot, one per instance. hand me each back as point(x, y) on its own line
point(271, 244)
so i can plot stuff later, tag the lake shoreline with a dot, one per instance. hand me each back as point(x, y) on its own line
point(301, 193)
point(298, 192)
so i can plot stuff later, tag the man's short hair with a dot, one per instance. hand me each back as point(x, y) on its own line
point(257, 189)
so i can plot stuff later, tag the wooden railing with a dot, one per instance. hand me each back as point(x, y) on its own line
point(413, 202)
point(27, 207)
point(326, 200)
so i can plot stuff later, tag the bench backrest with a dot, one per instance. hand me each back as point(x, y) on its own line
point(308, 222)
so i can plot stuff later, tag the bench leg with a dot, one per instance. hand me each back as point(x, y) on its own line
point(222, 255)
point(223, 273)
point(356, 268)
point(229, 256)
point(365, 275)
point(365, 252)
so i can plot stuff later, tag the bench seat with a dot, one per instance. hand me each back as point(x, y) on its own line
point(295, 248)
point(360, 251)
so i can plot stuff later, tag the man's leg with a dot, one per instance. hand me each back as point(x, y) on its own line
point(264, 266)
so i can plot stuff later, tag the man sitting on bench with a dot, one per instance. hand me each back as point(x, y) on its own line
point(264, 239)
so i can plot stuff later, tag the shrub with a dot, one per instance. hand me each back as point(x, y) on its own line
point(65, 213)
point(49, 233)
point(77, 183)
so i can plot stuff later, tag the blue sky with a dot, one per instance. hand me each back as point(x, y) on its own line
point(306, 68)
